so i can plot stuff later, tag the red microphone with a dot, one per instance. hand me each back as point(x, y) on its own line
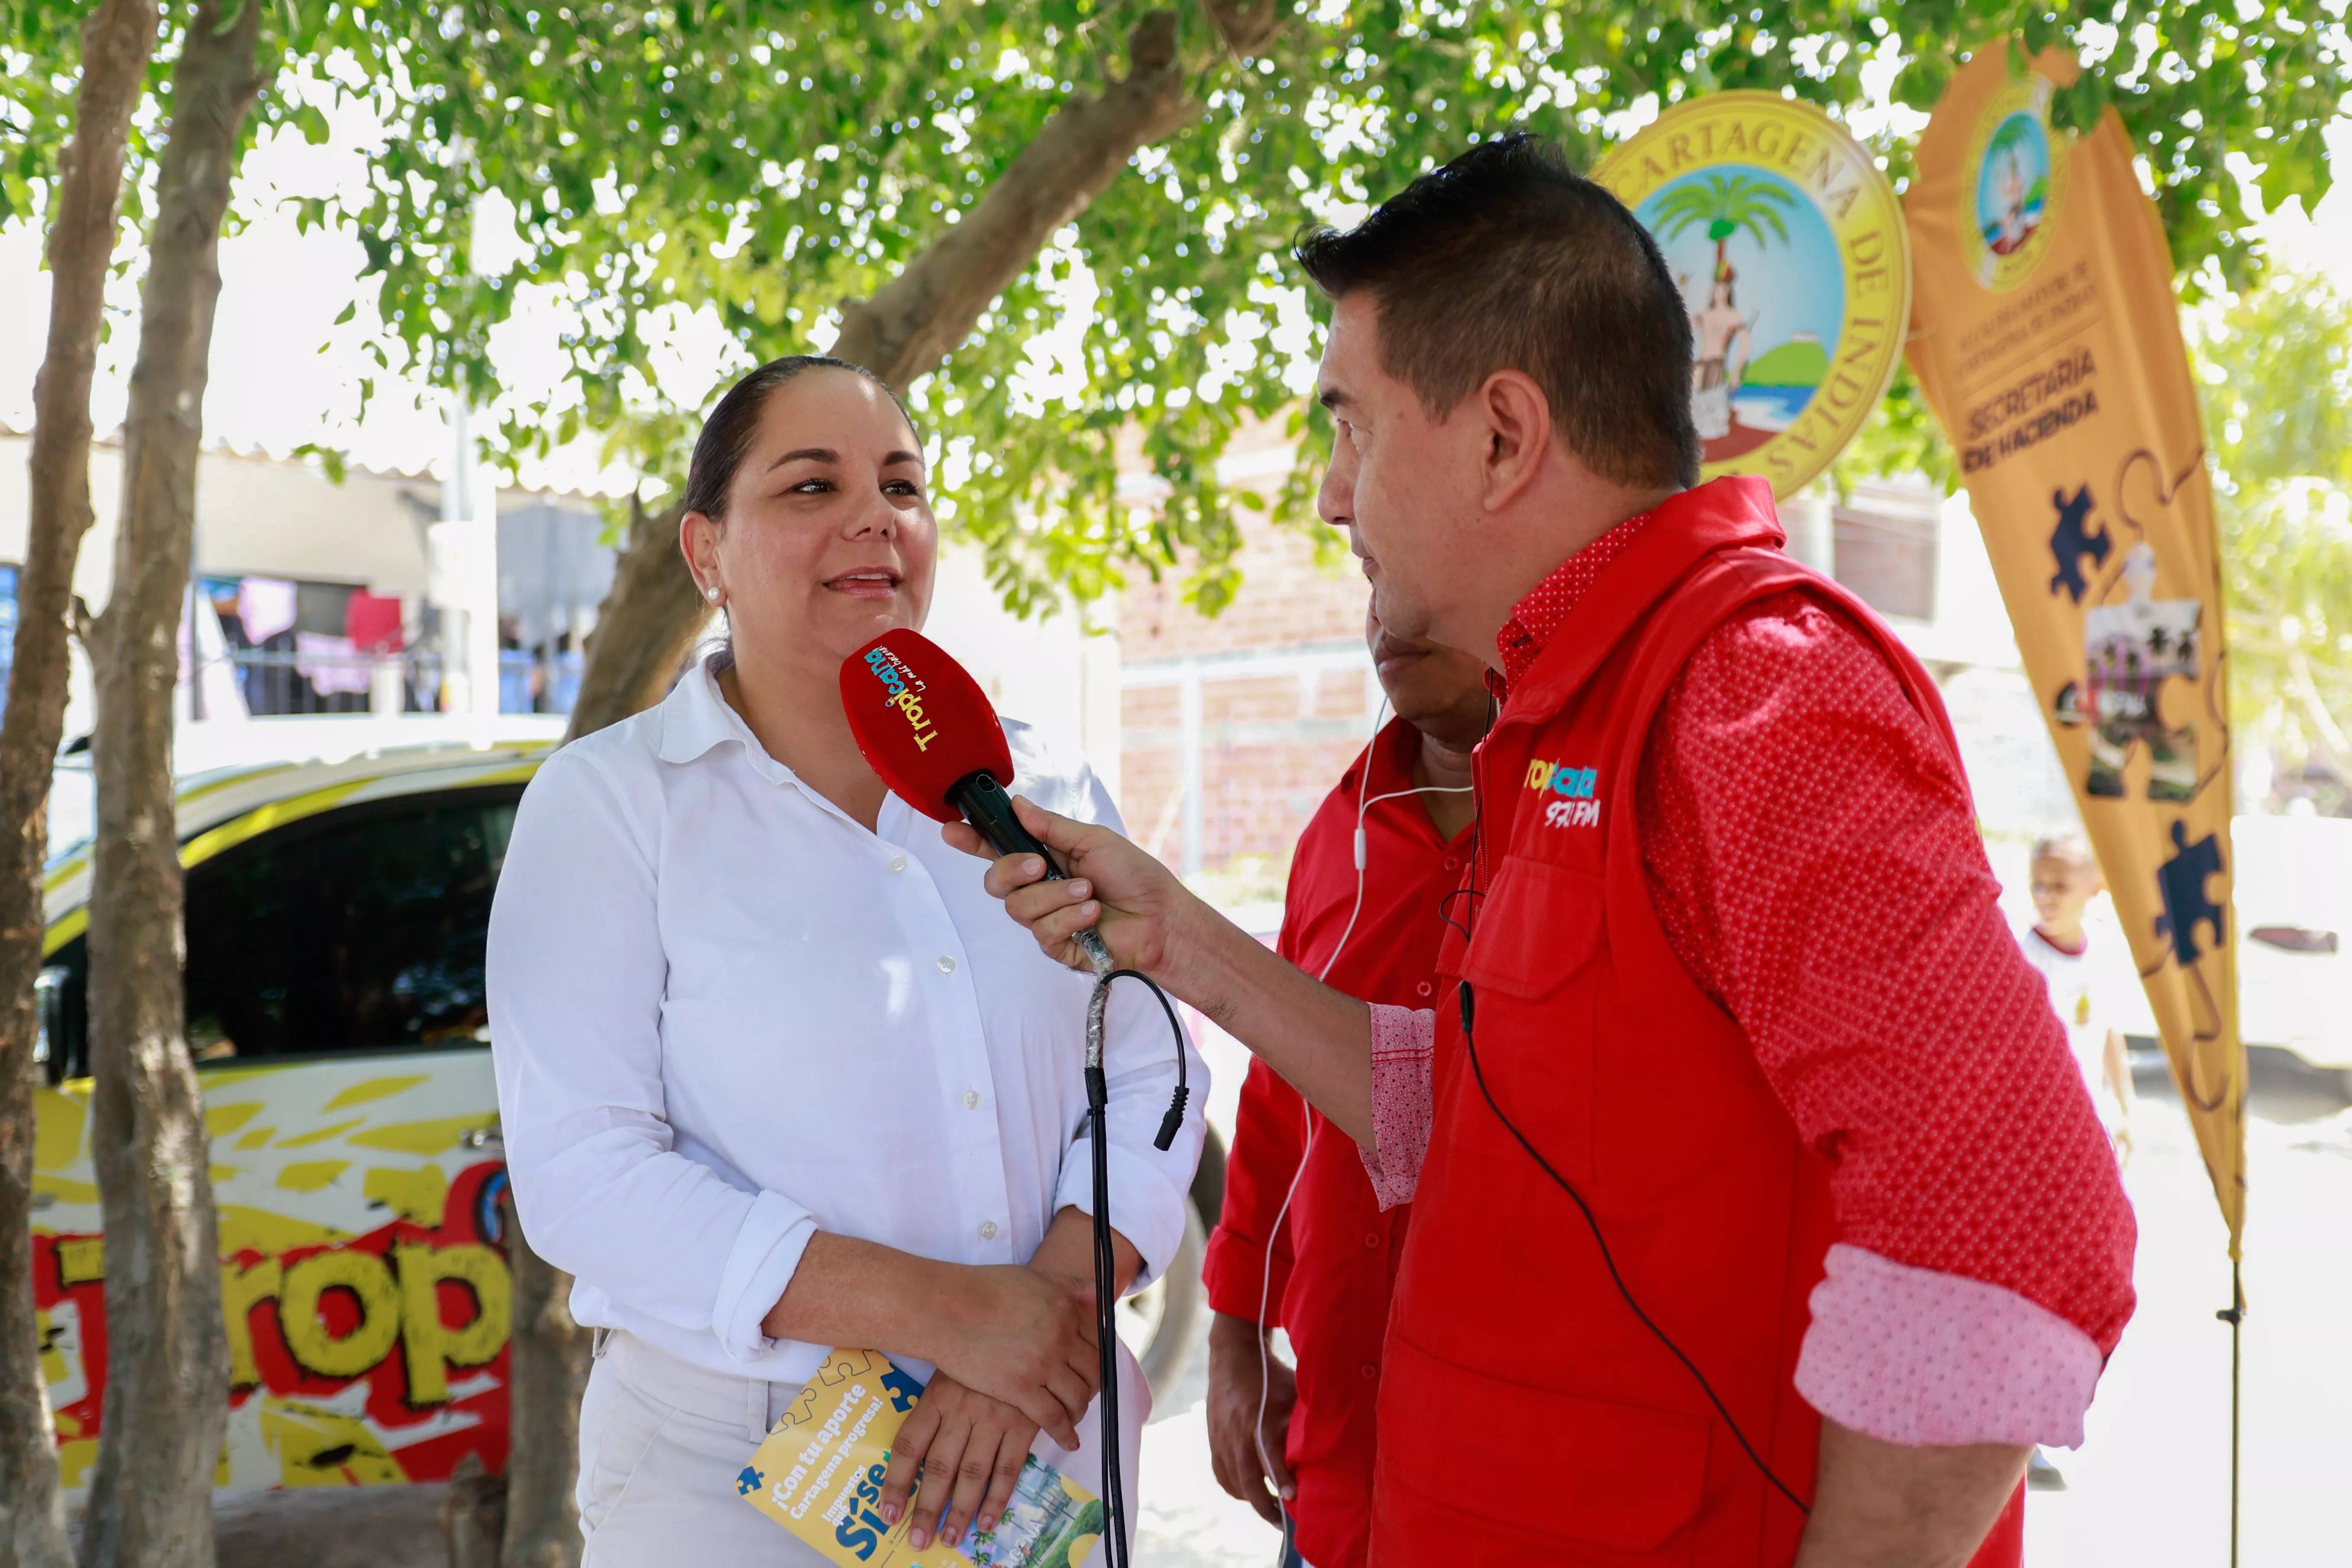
point(926, 728)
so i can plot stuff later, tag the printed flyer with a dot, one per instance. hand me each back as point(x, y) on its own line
point(819, 1475)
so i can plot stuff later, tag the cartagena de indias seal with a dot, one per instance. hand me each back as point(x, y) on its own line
point(1789, 249)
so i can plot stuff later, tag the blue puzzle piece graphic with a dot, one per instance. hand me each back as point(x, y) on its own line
point(2070, 542)
point(2182, 881)
point(749, 1481)
point(903, 1390)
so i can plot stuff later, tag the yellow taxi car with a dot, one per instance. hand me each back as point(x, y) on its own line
point(336, 914)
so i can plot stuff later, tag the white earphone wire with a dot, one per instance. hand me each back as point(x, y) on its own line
point(1364, 803)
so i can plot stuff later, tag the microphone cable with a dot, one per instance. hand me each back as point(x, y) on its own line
point(1611, 1262)
point(1114, 1480)
point(1593, 1223)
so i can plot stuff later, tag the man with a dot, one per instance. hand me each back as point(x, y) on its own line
point(1318, 1259)
point(1754, 1219)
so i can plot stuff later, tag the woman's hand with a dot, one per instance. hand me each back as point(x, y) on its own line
point(968, 1449)
point(1025, 1338)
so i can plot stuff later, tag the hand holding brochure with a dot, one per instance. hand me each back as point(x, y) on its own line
point(819, 1475)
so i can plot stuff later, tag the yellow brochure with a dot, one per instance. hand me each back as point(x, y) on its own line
point(819, 1475)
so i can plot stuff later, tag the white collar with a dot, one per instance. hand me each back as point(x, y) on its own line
point(695, 717)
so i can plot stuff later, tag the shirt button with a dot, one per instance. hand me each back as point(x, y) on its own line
point(1372, 1238)
point(971, 1099)
point(1369, 1371)
point(1451, 864)
point(1422, 989)
point(947, 964)
point(897, 862)
point(988, 1230)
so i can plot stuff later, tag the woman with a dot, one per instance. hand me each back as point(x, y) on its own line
point(775, 1072)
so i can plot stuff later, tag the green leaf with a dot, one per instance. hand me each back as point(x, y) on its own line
point(821, 148)
point(1920, 85)
point(333, 461)
point(2078, 107)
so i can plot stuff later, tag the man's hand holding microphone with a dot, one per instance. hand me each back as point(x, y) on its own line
point(1313, 1036)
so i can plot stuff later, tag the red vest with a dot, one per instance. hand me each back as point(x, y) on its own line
point(1526, 1415)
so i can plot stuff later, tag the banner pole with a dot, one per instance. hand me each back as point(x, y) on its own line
point(2235, 1316)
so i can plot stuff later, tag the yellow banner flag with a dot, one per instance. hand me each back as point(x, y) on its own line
point(2045, 334)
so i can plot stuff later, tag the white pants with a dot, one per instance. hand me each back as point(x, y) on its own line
point(661, 1442)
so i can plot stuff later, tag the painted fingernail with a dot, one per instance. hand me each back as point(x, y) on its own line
point(890, 1513)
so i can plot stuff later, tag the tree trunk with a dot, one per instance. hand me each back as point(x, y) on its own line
point(648, 619)
point(85, 215)
point(167, 1358)
point(472, 1514)
point(548, 1356)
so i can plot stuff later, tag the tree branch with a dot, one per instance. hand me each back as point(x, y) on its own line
point(1245, 25)
point(916, 319)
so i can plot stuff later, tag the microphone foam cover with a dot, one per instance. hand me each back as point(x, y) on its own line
point(922, 721)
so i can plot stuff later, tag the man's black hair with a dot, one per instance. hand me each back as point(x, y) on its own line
point(1508, 259)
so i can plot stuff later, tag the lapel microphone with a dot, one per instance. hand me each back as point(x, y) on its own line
point(928, 729)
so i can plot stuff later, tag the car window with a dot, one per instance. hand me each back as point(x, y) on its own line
point(359, 928)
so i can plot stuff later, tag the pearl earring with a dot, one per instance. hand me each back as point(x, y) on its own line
point(711, 594)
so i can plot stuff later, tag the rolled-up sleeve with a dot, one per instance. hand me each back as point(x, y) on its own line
point(1840, 906)
point(576, 975)
point(1404, 1051)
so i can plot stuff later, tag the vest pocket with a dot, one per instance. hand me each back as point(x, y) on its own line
point(1496, 1462)
point(1536, 926)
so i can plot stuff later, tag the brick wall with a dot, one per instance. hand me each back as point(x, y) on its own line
point(1286, 599)
point(1272, 744)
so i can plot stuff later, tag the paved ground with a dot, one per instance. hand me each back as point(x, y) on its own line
point(2150, 1488)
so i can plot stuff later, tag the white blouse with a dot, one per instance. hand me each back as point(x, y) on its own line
point(725, 1016)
